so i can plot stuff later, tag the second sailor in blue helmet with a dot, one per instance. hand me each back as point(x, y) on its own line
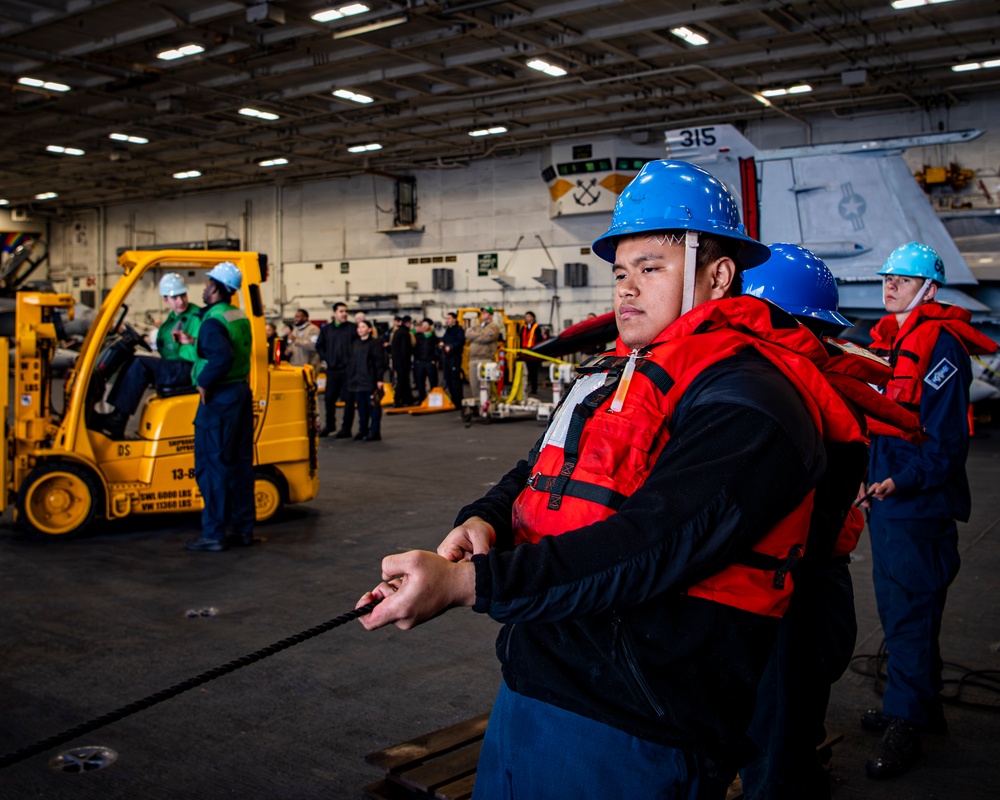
point(638, 559)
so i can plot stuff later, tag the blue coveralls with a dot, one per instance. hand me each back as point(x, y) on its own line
point(914, 536)
point(223, 441)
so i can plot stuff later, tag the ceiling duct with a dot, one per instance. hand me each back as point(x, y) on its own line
point(265, 15)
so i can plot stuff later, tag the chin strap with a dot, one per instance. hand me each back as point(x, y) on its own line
point(690, 263)
point(916, 298)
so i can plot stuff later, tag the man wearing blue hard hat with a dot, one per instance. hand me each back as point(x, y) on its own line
point(223, 426)
point(919, 492)
point(816, 637)
point(171, 370)
point(639, 557)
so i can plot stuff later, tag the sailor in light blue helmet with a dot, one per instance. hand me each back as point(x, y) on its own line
point(677, 196)
point(798, 281)
point(914, 260)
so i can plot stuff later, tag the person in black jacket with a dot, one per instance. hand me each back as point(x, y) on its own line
point(452, 344)
point(425, 355)
point(365, 368)
point(638, 617)
point(401, 348)
point(334, 346)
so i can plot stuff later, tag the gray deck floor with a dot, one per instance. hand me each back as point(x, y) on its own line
point(92, 624)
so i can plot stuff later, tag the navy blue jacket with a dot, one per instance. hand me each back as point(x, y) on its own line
point(930, 479)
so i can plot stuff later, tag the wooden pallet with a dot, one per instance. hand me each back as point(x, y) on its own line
point(442, 764)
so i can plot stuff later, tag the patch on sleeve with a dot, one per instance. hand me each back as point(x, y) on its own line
point(941, 373)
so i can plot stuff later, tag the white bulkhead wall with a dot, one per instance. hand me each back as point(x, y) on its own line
point(500, 206)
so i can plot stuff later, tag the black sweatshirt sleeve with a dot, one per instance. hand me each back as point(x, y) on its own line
point(743, 454)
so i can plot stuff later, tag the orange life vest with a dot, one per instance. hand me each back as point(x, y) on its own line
point(609, 454)
point(853, 371)
point(909, 348)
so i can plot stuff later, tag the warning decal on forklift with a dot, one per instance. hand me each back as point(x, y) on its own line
point(182, 445)
point(25, 399)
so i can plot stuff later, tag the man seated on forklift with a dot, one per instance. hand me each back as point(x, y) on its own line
point(171, 369)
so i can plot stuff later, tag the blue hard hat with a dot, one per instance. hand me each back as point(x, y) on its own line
point(797, 281)
point(172, 285)
point(228, 274)
point(675, 195)
point(915, 260)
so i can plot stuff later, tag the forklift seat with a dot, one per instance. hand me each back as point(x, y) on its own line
point(175, 391)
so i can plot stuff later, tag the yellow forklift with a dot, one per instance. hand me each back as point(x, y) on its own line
point(62, 474)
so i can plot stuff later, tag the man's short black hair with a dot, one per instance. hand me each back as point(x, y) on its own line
point(339, 305)
point(303, 311)
point(429, 321)
point(407, 318)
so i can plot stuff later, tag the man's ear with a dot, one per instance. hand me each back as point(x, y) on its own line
point(721, 273)
point(930, 293)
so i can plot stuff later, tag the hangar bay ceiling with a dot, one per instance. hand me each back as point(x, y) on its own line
point(109, 101)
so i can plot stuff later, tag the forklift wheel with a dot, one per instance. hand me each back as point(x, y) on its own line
point(267, 495)
point(57, 499)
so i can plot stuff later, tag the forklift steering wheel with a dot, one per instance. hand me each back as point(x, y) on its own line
point(132, 338)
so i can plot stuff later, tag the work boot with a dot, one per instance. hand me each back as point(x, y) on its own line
point(323, 433)
point(897, 752)
point(112, 424)
point(202, 545)
point(874, 720)
point(342, 434)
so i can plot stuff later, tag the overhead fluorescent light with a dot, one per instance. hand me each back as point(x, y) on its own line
point(800, 88)
point(4, 201)
point(547, 68)
point(254, 112)
point(488, 131)
point(36, 83)
point(66, 151)
point(364, 148)
point(899, 5)
point(371, 26)
point(272, 162)
point(180, 52)
point(124, 137)
point(347, 94)
point(191, 173)
point(973, 65)
point(690, 36)
point(331, 14)
point(46, 195)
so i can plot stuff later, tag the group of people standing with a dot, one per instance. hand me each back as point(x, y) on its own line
point(670, 561)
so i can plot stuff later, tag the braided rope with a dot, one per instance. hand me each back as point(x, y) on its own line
point(191, 683)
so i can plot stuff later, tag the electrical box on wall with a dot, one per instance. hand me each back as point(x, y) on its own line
point(576, 274)
point(443, 279)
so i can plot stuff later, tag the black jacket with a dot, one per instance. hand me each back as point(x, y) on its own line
point(596, 620)
point(401, 347)
point(426, 348)
point(334, 344)
point(366, 365)
point(454, 337)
